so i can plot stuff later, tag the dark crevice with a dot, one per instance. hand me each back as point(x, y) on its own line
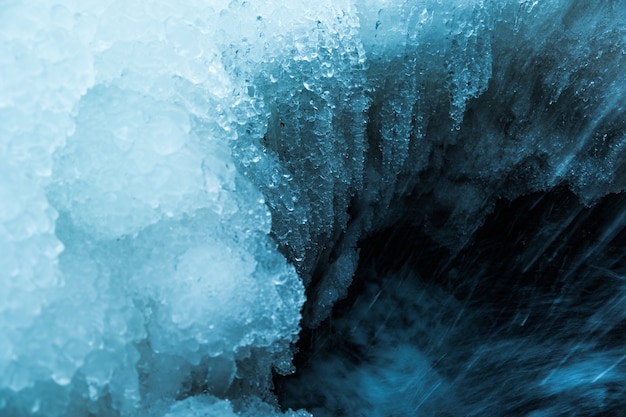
point(545, 273)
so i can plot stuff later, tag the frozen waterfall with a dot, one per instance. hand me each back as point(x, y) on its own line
point(331, 208)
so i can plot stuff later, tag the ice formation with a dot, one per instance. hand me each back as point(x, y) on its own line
point(175, 175)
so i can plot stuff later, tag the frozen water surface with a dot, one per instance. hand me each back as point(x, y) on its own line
point(346, 208)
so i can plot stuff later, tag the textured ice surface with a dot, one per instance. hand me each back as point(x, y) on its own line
point(135, 257)
point(172, 176)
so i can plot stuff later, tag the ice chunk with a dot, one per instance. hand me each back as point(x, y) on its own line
point(158, 267)
point(213, 407)
point(127, 164)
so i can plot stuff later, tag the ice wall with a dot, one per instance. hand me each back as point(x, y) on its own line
point(175, 175)
point(136, 260)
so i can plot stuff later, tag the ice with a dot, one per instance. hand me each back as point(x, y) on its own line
point(135, 255)
point(213, 407)
point(174, 177)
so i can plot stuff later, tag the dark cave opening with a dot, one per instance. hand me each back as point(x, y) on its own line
point(534, 293)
